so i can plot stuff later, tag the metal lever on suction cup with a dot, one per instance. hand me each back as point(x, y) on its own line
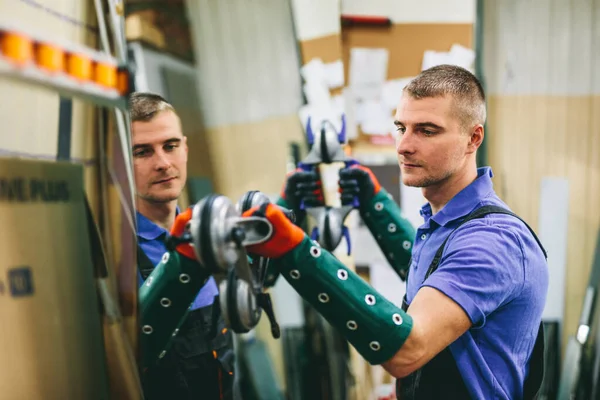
point(248, 231)
point(218, 240)
point(259, 233)
point(264, 302)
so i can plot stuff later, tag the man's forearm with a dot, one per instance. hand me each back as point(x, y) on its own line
point(373, 325)
point(164, 300)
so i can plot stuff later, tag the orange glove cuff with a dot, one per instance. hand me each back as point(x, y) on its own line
point(376, 184)
point(285, 237)
point(178, 228)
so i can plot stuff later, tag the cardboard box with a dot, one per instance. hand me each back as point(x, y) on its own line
point(50, 317)
point(138, 28)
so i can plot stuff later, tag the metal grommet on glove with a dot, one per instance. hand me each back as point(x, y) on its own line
point(147, 329)
point(342, 274)
point(375, 346)
point(370, 299)
point(397, 318)
point(165, 302)
point(315, 251)
point(323, 297)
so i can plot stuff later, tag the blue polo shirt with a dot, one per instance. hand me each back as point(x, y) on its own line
point(494, 269)
point(151, 239)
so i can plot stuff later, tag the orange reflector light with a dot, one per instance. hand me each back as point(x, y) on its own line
point(123, 82)
point(79, 67)
point(17, 47)
point(105, 75)
point(50, 57)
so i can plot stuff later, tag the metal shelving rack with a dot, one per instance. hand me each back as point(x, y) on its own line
point(102, 79)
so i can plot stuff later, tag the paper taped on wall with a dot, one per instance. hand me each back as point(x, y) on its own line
point(458, 55)
point(319, 78)
point(368, 71)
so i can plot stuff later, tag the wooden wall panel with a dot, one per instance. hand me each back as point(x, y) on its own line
point(252, 156)
point(327, 48)
point(535, 136)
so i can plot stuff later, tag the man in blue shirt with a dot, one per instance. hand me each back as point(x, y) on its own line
point(198, 366)
point(477, 284)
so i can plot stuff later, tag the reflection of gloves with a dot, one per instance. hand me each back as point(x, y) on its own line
point(303, 186)
point(358, 182)
point(285, 237)
point(177, 230)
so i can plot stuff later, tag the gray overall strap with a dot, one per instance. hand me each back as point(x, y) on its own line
point(478, 213)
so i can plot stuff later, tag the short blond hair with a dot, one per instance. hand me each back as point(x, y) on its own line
point(143, 106)
point(457, 82)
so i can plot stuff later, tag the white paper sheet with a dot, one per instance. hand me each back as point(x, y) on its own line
point(458, 55)
point(375, 118)
point(433, 58)
point(314, 72)
point(368, 71)
point(392, 91)
point(334, 74)
point(462, 56)
point(317, 94)
point(338, 103)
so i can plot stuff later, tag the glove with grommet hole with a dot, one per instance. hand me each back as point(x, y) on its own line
point(393, 233)
point(372, 324)
point(285, 236)
point(167, 293)
point(358, 182)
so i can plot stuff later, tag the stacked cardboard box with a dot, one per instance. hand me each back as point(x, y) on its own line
point(162, 24)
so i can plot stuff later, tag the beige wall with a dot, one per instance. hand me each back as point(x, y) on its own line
point(536, 136)
point(252, 156)
point(540, 63)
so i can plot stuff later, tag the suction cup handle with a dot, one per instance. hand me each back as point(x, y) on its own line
point(264, 302)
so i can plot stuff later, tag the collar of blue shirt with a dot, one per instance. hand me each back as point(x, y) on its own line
point(147, 229)
point(465, 201)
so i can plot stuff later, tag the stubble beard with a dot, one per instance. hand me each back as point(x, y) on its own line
point(158, 199)
point(428, 181)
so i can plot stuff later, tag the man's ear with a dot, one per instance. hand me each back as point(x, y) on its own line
point(475, 138)
point(185, 143)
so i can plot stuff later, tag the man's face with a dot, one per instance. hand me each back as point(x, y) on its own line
point(159, 158)
point(431, 144)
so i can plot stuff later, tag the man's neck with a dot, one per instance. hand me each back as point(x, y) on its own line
point(439, 195)
point(162, 214)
